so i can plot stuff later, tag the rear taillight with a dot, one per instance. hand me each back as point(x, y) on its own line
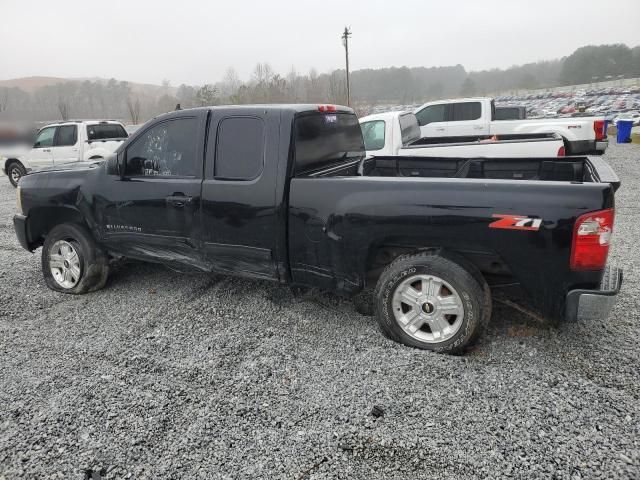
point(561, 151)
point(598, 128)
point(591, 239)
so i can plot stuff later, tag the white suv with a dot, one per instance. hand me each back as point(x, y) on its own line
point(66, 142)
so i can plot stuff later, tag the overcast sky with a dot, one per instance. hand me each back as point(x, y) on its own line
point(195, 41)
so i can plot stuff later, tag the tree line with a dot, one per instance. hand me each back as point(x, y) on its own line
point(403, 85)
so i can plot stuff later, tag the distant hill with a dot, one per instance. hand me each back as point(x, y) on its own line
point(31, 84)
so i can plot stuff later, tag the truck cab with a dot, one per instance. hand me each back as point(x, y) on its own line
point(464, 117)
point(66, 142)
point(398, 133)
point(455, 118)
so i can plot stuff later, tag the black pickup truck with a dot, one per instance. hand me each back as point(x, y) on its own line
point(286, 193)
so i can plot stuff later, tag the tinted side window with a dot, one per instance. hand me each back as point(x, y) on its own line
point(45, 137)
point(466, 111)
point(432, 113)
point(240, 148)
point(373, 133)
point(168, 149)
point(67, 136)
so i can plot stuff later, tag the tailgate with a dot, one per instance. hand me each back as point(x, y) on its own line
point(603, 171)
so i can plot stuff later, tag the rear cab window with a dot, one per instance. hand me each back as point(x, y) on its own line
point(326, 139)
point(106, 131)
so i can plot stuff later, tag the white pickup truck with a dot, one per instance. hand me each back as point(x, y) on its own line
point(66, 142)
point(466, 117)
point(398, 133)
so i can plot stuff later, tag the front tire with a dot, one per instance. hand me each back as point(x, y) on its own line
point(15, 171)
point(431, 302)
point(72, 262)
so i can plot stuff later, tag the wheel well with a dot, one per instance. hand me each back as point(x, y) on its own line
point(42, 220)
point(480, 264)
point(9, 161)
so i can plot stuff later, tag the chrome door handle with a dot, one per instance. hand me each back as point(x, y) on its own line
point(439, 129)
point(179, 201)
point(46, 150)
point(478, 127)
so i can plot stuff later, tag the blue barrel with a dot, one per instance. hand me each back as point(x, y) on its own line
point(624, 131)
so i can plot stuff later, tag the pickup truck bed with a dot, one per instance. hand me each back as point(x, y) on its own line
point(448, 201)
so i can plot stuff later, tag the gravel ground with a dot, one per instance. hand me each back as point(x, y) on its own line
point(167, 375)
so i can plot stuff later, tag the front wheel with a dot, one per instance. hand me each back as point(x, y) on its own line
point(430, 302)
point(72, 262)
point(15, 171)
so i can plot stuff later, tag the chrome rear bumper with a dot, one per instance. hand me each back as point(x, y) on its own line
point(594, 304)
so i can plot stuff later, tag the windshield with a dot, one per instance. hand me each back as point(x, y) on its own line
point(373, 133)
point(105, 131)
point(322, 139)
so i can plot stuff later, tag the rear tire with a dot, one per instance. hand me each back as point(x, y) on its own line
point(15, 171)
point(72, 262)
point(431, 302)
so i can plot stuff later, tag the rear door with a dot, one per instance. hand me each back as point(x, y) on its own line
point(153, 211)
point(65, 146)
point(466, 119)
point(433, 120)
point(239, 207)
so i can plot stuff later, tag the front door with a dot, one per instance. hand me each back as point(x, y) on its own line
point(152, 212)
point(433, 120)
point(40, 155)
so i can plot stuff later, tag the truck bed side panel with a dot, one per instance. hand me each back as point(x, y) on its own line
point(336, 223)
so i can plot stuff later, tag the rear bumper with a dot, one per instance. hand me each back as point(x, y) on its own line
point(588, 146)
point(20, 226)
point(594, 304)
point(601, 145)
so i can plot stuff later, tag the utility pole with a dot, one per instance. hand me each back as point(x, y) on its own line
point(345, 41)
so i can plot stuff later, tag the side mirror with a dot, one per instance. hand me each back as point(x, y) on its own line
point(113, 165)
point(36, 145)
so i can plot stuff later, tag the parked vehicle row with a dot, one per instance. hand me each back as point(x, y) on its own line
point(608, 102)
point(287, 193)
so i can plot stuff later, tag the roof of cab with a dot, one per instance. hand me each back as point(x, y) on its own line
point(295, 107)
point(384, 116)
point(291, 107)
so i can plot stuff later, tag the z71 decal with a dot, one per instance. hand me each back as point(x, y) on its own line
point(516, 222)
